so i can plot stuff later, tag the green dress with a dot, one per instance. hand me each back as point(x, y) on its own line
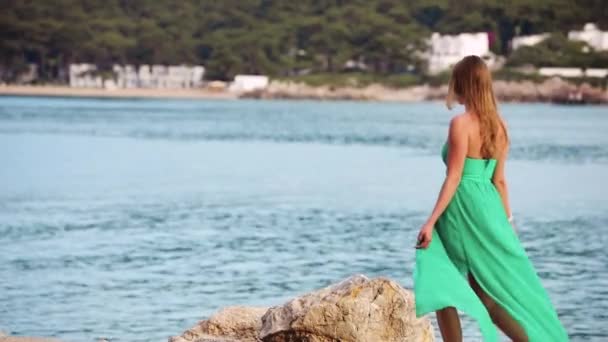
point(474, 235)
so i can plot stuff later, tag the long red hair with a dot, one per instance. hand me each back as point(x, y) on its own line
point(471, 82)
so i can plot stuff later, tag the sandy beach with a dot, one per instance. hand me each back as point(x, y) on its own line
point(65, 91)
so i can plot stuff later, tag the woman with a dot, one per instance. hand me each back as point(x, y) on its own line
point(469, 257)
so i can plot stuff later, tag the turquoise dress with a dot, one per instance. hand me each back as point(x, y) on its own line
point(474, 235)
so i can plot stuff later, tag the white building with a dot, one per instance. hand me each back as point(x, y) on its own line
point(196, 76)
point(573, 72)
point(530, 40)
point(144, 76)
point(248, 83)
point(129, 76)
point(447, 50)
point(596, 72)
point(563, 72)
point(184, 76)
point(126, 76)
point(591, 35)
point(83, 75)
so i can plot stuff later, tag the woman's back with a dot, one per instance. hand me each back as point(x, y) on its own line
point(475, 138)
point(473, 168)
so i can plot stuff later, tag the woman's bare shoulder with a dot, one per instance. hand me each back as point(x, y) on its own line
point(460, 119)
point(459, 126)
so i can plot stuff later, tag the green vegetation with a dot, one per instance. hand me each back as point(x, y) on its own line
point(515, 75)
point(355, 79)
point(363, 79)
point(278, 38)
point(558, 51)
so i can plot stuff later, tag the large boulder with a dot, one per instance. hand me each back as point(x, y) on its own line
point(355, 309)
point(230, 324)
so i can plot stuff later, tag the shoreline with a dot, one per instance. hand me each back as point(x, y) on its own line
point(66, 91)
point(554, 90)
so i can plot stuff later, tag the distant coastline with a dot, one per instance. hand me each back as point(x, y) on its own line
point(66, 91)
point(553, 90)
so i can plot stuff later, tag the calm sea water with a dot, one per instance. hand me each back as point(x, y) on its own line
point(133, 219)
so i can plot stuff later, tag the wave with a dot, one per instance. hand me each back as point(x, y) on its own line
point(564, 152)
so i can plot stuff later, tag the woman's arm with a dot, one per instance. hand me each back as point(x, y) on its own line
point(500, 181)
point(458, 145)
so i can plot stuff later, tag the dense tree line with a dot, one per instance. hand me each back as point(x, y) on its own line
point(278, 37)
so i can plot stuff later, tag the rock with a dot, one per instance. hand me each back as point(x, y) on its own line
point(211, 338)
point(26, 339)
point(516, 91)
point(555, 89)
point(6, 338)
point(231, 324)
point(355, 309)
point(593, 95)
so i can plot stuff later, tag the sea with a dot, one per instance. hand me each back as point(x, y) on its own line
point(133, 219)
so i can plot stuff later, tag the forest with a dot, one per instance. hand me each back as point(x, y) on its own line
point(278, 38)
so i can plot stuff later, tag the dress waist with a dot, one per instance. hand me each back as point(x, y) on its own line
point(476, 178)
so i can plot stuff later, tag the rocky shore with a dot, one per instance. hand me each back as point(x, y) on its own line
point(356, 309)
point(555, 90)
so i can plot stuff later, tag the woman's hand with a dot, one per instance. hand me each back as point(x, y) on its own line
point(513, 226)
point(425, 235)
